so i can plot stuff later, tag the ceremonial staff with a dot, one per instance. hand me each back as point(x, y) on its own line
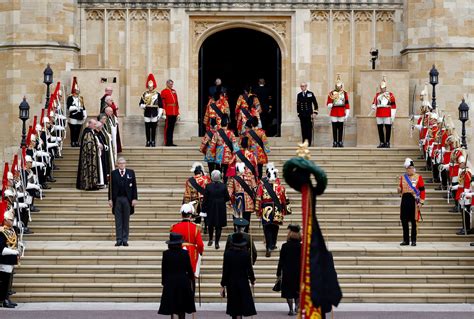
point(319, 287)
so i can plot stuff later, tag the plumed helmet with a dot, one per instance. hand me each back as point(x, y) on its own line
point(408, 163)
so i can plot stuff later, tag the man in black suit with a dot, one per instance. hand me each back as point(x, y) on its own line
point(122, 199)
point(307, 108)
point(264, 96)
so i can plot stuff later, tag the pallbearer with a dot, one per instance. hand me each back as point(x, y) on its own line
point(339, 110)
point(385, 109)
point(151, 103)
point(411, 187)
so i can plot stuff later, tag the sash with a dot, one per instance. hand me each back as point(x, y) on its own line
point(226, 139)
point(196, 186)
point(210, 134)
point(257, 139)
point(246, 113)
point(217, 110)
point(414, 189)
point(246, 161)
point(245, 186)
point(272, 194)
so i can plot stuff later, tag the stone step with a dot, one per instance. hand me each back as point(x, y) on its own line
point(217, 260)
point(46, 220)
point(26, 278)
point(215, 287)
point(389, 234)
point(259, 297)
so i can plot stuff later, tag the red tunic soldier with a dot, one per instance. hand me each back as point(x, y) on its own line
point(191, 235)
point(338, 105)
point(385, 108)
point(171, 106)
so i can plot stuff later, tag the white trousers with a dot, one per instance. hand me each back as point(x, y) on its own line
point(384, 120)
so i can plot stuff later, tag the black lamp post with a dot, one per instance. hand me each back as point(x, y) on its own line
point(24, 116)
point(48, 79)
point(463, 117)
point(433, 81)
point(375, 55)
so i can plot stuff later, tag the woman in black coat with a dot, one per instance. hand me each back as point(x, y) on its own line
point(289, 268)
point(237, 271)
point(177, 279)
point(214, 205)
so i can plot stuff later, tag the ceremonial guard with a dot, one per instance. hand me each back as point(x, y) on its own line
point(339, 110)
point(461, 189)
point(76, 112)
point(271, 206)
point(60, 120)
point(152, 107)
point(10, 255)
point(385, 109)
point(258, 143)
point(206, 149)
point(171, 106)
point(194, 190)
point(307, 108)
point(412, 190)
point(247, 157)
point(31, 182)
point(457, 157)
point(177, 279)
point(38, 166)
point(446, 158)
point(217, 108)
point(191, 233)
point(241, 189)
point(247, 107)
point(223, 147)
point(422, 119)
point(240, 225)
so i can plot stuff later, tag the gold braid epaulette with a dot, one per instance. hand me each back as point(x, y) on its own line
point(10, 235)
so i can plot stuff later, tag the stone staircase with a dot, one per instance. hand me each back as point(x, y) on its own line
point(71, 255)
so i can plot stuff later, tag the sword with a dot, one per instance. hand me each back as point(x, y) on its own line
point(199, 290)
point(464, 210)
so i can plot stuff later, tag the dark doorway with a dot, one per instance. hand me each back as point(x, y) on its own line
point(240, 57)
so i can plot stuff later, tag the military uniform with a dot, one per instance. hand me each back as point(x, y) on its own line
point(216, 109)
point(171, 106)
point(9, 254)
point(194, 190)
point(385, 109)
point(306, 106)
point(339, 110)
point(246, 108)
point(206, 150)
point(152, 107)
point(222, 151)
point(464, 187)
point(76, 112)
point(191, 233)
point(258, 144)
point(412, 191)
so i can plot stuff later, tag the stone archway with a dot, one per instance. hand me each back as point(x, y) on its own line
point(241, 56)
point(278, 28)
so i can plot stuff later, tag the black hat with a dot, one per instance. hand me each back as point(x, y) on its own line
point(240, 222)
point(294, 228)
point(175, 239)
point(238, 240)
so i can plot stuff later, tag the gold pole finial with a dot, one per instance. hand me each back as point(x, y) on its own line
point(303, 150)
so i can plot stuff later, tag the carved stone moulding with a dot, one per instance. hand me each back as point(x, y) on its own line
point(121, 14)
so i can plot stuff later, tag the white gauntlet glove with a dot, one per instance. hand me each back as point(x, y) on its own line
point(330, 106)
point(142, 106)
point(8, 251)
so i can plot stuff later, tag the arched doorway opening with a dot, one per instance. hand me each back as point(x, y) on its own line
point(240, 57)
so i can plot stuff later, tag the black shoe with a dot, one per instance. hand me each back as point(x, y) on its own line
point(125, 244)
point(11, 292)
point(147, 144)
point(404, 243)
point(471, 244)
point(340, 144)
point(174, 145)
point(454, 210)
point(152, 144)
point(217, 245)
point(55, 167)
point(13, 303)
point(117, 244)
point(209, 243)
point(45, 186)
point(460, 232)
point(291, 313)
point(387, 145)
point(50, 179)
point(413, 243)
point(34, 209)
point(7, 304)
point(268, 253)
point(381, 145)
point(27, 231)
point(334, 144)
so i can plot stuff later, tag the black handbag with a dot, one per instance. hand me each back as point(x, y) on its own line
point(277, 286)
